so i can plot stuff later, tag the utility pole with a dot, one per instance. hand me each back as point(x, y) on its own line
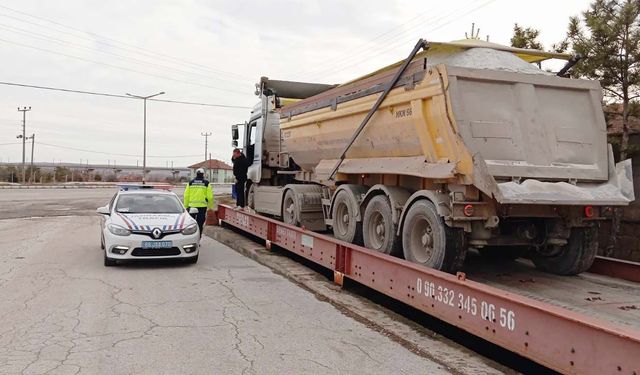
point(144, 139)
point(24, 111)
point(206, 144)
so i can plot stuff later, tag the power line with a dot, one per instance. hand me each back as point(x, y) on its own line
point(103, 152)
point(49, 39)
point(437, 23)
point(385, 36)
point(396, 45)
point(132, 47)
point(115, 154)
point(119, 67)
point(118, 95)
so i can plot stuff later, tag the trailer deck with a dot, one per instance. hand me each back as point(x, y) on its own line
point(548, 320)
point(601, 297)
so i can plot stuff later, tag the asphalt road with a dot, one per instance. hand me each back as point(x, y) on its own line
point(63, 312)
point(17, 203)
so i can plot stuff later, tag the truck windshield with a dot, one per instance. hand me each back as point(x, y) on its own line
point(149, 204)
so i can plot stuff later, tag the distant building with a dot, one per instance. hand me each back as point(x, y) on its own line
point(103, 172)
point(215, 170)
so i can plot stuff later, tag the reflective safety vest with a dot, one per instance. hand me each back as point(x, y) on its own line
point(198, 193)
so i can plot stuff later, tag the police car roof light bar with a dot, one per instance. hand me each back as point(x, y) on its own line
point(128, 187)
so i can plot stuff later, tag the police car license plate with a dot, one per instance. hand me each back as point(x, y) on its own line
point(157, 244)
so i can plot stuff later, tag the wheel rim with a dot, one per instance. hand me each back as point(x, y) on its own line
point(376, 228)
point(341, 219)
point(421, 240)
point(289, 210)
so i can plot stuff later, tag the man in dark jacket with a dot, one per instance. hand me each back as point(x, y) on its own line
point(240, 166)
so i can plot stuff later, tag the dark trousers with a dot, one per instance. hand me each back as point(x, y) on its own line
point(201, 217)
point(240, 193)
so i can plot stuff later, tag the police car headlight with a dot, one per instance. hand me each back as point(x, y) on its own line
point(191, 229)
point(118, 230)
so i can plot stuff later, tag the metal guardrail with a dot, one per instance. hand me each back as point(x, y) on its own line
point(555, 337)
point(618, 268)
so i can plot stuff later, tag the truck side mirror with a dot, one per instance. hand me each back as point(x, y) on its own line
point(234, 133)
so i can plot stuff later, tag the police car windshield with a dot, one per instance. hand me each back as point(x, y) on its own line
point(148, 204)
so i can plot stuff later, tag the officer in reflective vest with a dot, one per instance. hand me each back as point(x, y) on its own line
point(199, 194)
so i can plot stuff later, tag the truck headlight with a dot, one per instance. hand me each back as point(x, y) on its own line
point(191, 229)
point(118, 230)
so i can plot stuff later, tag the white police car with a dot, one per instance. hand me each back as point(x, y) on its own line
point(147, 222)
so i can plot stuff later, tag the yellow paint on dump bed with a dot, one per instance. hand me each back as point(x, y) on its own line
point(410, 123)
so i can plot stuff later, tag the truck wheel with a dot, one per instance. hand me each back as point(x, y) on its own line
point(571, 259)
point(290, 208)
point(345, 225)
point(251, 198)
point(379, 232)
point(428, 241)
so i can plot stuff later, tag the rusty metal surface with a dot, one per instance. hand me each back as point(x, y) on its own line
point(612, 300)
point(556, 337)
point(618, 268)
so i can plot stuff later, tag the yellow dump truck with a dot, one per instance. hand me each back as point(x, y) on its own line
point(461, 145)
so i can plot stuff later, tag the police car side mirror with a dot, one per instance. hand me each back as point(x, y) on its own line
point(193, 210)
point(104, 210)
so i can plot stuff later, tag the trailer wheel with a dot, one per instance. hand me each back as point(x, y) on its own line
point(428, 241)
point(379, 231)
point(571, 259)
point(290, 208)
point(345, 225)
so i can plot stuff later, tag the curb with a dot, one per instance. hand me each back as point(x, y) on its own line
point(405, 332)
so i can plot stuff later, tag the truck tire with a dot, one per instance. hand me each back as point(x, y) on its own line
point(379, 231)
point(290, 209)
point(251, 197)
point(345, 225)
point(573, 258)
point(428, 241)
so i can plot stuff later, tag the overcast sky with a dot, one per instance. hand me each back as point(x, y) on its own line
point(209, 52)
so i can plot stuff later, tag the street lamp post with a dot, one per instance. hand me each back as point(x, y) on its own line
point(32, 173)
point(144, 139)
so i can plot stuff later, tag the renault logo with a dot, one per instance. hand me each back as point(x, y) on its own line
point(156, 232)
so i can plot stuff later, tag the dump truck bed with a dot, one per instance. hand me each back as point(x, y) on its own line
point(484, 126)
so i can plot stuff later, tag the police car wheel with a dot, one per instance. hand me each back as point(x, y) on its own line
point(108, 262)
